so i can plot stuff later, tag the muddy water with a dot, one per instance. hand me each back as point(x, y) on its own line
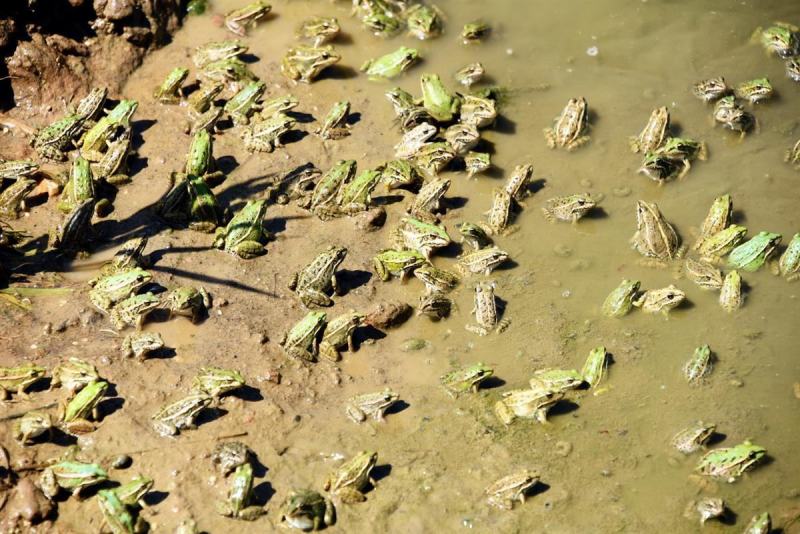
point(605, 460)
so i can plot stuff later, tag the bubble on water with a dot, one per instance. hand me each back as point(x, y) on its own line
point(592, 51)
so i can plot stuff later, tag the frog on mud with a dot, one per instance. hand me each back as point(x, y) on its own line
point(188, 301)
point(307, 510)
point(360, 407)
point(174, 417)
point(78, 415)
point(319, 277)
point(339, 333)
point(240, 496)
point(245, 232)
point(304, 63)
point(302, 341)
point(18, 379)
point(348, 482)
point(334, 125)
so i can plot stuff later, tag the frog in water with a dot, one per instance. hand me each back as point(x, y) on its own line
point(440, 103)
point(729, 463)
point(569, 127)
point(348, 482)
point(304, 63)
point(466, 379)
point(503, 493)
point(360, 407)
point(239, 20)
point(660, 300)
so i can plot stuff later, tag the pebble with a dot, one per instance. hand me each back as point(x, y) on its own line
point(47, 329)
point(123, 461)
point(563, 448)
point(735, 382)
point(105, 360)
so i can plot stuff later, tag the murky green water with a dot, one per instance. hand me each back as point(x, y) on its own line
point(605, 460)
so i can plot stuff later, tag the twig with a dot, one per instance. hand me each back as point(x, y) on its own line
point(20, 414)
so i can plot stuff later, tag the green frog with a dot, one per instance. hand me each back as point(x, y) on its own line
point(304, 63)
point(327, 188)
point(750, 256)
point(71, 475)
point(279, 104)
point(302, 341)
point(112, 167)
point(244, 103)
point(170, 91)
point(265, 135)
point(732, 116)
point(347, 483)
point(435, 305)
point(789, 262)
point(781, 39)
point(702, 273)
point(390, 65)
point(759, 524)
point(89, 106)
point(31, 426)
point(179, 415)
point(140, 344)
point(217, 51)
point(558, 380)
point(424, 21)
point(400, 263)
point(216, 381)
point(699, 365)
point(128, 256)
point(569, 127)
point(19, 168)
point(73, 375)
point(478, 111)
point(381, 24)
point(132, 493)
point(619, 302)
point(239, 20)
point(360, 407)
point(729, 463)
point(570, 208)
point(75, 230)
point(318, 30)
point(200, 158)
point(339, 333)
point(229, 455)
point(475, 31)
point(76, 413)
point(594, 370)
point(437, 280)
point(754, 91)
point(205, 213)
point(414, 139)
point(79, 187)
point(245, 231)
point(661, 168)
point(356, 196)
point(12, 199)
point(721, 243)
point(484, 260)
point(730, 294)
point(334, 125)
point(661, 300)
point(206, 120)
point(424, 237)
point(319, 277)
point(654, 237)
point(437, 100)
point(307, 510)
point(240, 496)
point(108, 290)
point(793, 69)
point(474, 235)
point(693, 438)
point(133, 310)
point(484, 309)
point(466, 379)
point(654, 132)
point(433, 157)
point(231, 72)
point(792, 155)
point(476, 162)
point(188, 301)
point(117, 516)
point(719, 217)
point(526, 404)
point(95, 141)
point(55, 140)
point(399, 173)
point(711, 89)
point(511, 488)
point(462, 137)
point(203, 98)
point(468, 75)
point(710, 508)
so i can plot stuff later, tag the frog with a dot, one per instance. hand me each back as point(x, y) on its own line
point(347, 483)
point(702, 273)
point(401, 100)
point(339, 333)
point(661, 168)
point(498, 216)
point(18, 168)
point(244, 103)
point(399, 173)
point(327, 188)
point(421, 236)
point(73, 375)
point(75, 230)
point(240, 496)
point(732, 116)
point(414, 139)
point(719, 217)
point(433, 157)
point(466, 379)
point(205, 121)
point(112, 167)
point(79, 187)
point(141, 344)
point(567, 131)
point(31, 426)
point(265, 135)
point(217, 51)
point(693, 438)
point(381, 24)
point(229, 455)
point(484, 309)
point(435, 305)
point(118, 517)
point(710, 508)
point(95, 140)
point(180, 415)
point(511, 488)
point(334, 125)
point(462, 137)
point(730, 294)
point(424, 21)
point(518, 184)
point(90, 106)
point(570, 208)
point(319, 277)
point(71, 475)
point(683, 149)
point(437, 280)
point(711, 89)
point(318, 30)
point(55, 140)
point(729, 463)
point(558, 380)
point(754, 91)
point(654, 132)
point(216, 381)
point(75, 414)
point(792, 155)
point(654, 237)
point(188, 301)
point(108, 290)
point(12, 199)
point(474, 32)
point(437, 100)
point(305, 63)
point(390, 65)
point(721, 243)
point(594, 370)
point(239, 20)
point(400, 263)
point(302, 341)
point(699, 365)
point(476, 162)
point(128, 256)
point(483, 260)
point(474, 235)
point(279, 104)
point(244, 233)
point(620, 301)
point(360, 407)
point(526, 404)
point(792, 68)
point(201, 100)
point(661, 300)
point(781, 39)
point(751, 255)
point(428, 199)
point(468, 75)
point(478, 111)
point(759, 524)
point(789, 262)
point(204, 211)
point(200, 158)
point(231, 72)
point(307, 510)
point(170, 90)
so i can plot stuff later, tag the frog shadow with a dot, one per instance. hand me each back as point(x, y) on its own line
point(353, 118)
point(210, 414)
point(263, 493)
point(109, 406)
point(293, 136)
point(716, 438)
point(259, 469)
point(454, 203)
point(538, 489)
point(337, 72)
point(596, 212)
point(504, 125)
point(247, 393)
point(277, 225)
point(227, 164)
point(350, 279)
point(397, 407)
point(728, 517)
point(507, 265)
point(137, 127)
point(154, 497)
point(563, 407)
point(452, 250)
point(484, 145)
point(364, 333)
point(493, 382)
point(738, 217)
point(301, 117)
point(385, 200)
point(248, 58)
point(61, 438)
point(379, 472)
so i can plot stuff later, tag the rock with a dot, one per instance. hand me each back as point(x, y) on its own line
point(123, 461)
point(388, 313)
point(27, 506)
point(371, 220)
point(7, 30)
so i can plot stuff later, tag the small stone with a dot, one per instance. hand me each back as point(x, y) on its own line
point(388, 313)
point(105, 360)
point(47, 329)
point(606, 472)
point(61, 327)
point(371, 220)
point(221, 302)
point(735, 382)
point(272, 375)
point(586, 183)
point(563, 448)
point(123, 461)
